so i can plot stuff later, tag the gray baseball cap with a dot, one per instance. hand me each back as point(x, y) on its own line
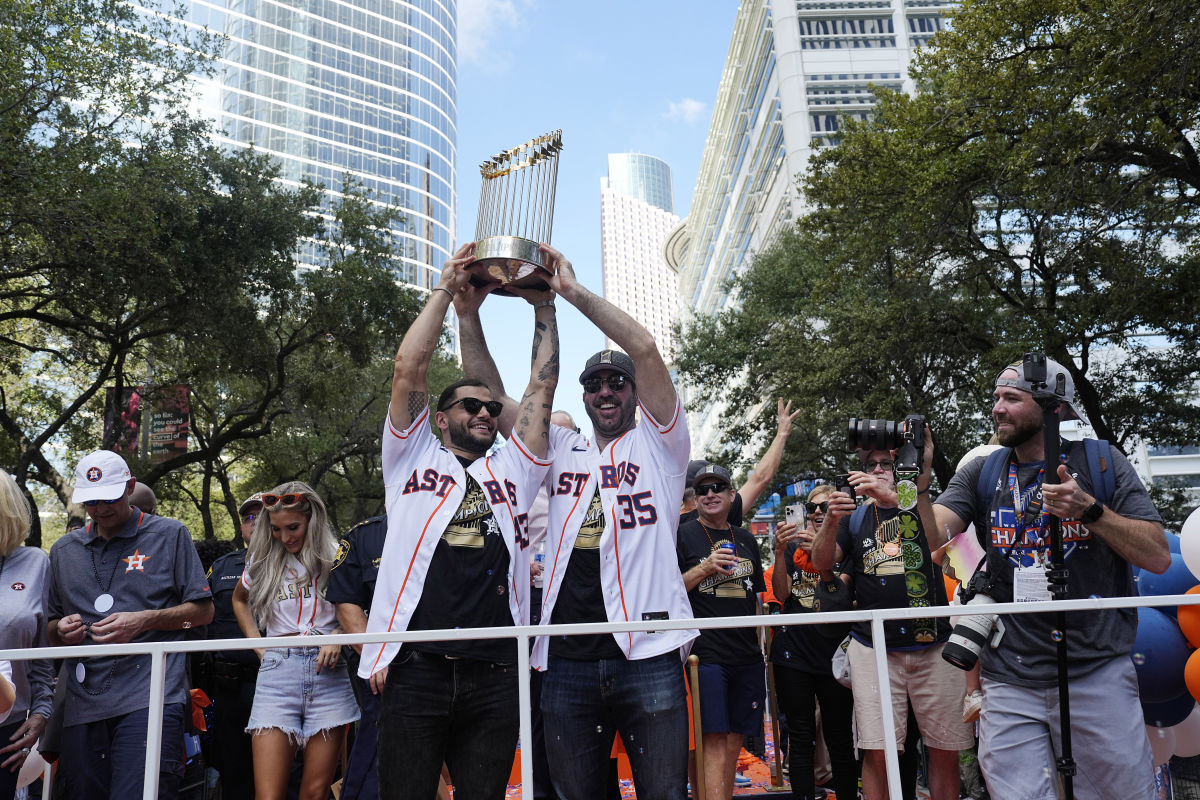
point(1053, 370)
point(613, 360)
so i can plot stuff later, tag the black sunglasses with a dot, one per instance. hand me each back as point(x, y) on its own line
point(615, 382)
point(705, 488)
point(472, 405)
point(813, 508)
point(94, 503)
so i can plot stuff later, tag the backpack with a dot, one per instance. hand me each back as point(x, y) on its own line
point(1098, 474)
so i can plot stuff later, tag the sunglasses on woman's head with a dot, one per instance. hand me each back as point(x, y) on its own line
point(813, 508)
point(615, 382)
point(472, 405)
point(289, 499)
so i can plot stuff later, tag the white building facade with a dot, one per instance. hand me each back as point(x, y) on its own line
point(793, 67)
point(636, 217)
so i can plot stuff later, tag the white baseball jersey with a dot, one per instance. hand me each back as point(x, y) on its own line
point(425, 484)
point(299, 606)
point(640, 477)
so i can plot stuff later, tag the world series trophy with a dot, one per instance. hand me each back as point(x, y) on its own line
point(516, 212)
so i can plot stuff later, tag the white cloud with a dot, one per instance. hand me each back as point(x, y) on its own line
point(687, 110)
point(480, 22)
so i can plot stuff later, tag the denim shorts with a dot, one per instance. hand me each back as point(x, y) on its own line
point(293, 697)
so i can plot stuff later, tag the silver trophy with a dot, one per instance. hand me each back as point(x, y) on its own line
point(516, 212)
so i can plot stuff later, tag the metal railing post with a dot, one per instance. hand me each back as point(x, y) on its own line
point(526, 739)
point(154, 722)
point(891, 753)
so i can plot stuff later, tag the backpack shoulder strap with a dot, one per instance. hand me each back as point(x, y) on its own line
point(856, 520)
point(985, 487)
point(1100, 470)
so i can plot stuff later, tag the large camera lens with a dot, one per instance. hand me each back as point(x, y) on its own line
point(969, 635)
point(873, 434)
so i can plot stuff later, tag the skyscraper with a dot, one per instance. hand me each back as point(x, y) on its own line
point(793, 68)
point(636, 202)
point(337, 87)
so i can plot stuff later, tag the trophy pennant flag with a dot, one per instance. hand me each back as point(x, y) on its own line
point(516, 212)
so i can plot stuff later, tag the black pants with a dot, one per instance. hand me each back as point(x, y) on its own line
point(798, 693)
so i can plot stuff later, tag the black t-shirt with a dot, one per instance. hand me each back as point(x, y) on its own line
point(223, 578)
point(467, 583)
point(721, 595)
point(580, 598)
point(356, 567)
point(805, 647)
point(889, 559)
point(735, 513)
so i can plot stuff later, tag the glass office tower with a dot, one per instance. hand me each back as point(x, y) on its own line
point(337, 87)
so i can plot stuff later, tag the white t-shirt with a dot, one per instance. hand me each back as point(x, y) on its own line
point(299, 608)
point(6, 674)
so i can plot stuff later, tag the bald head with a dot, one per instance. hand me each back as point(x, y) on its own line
point(563, 420)
point(143, 497)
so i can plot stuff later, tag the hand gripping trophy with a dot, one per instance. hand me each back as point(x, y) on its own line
point(516, 212)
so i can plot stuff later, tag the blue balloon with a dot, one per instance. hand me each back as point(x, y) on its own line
point(1173, 541)
point(1176, 580)
point(1159, 655)
point(1170, 712)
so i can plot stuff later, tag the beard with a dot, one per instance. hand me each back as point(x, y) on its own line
point(620, 424)
point(462, 437)
point(1019, 433)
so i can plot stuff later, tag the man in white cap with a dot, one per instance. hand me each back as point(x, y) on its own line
point(1108, 524)
point(127, 576)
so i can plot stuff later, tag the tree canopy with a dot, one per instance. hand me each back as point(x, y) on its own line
point(1037, 191)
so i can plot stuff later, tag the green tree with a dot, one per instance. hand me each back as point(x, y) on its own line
point(1038, 191)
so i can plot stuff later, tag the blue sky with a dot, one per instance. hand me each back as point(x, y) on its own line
point(616, 77)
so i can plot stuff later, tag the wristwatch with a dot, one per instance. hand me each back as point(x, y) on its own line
point(1093, 513)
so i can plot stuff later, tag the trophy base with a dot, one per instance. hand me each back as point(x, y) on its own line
point(509, 260)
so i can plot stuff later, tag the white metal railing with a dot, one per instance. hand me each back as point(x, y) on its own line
point(523, 635)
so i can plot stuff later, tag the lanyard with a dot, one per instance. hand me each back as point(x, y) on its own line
point(1033, 516)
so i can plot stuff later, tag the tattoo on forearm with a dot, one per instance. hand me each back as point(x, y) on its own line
point(416, 402)
point(550, 369)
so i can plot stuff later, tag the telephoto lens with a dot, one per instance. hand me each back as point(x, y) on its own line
point(970, 635)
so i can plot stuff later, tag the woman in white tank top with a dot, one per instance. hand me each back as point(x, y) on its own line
point(303, 697)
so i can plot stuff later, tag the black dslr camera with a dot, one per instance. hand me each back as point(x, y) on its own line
point(907, 438)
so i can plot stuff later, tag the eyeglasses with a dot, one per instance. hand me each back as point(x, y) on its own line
point(472, 405)
point(289, 499)
point(705, 488)
point(249, 517)
point(813, 508)
point(886, 465)
point(614, 382)
point(94, 503)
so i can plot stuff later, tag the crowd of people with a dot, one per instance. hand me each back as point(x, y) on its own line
point(552, 528)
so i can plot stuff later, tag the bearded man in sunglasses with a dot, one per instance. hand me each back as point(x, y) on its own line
point(610, 557)
point(455, 557)
point(127, 576)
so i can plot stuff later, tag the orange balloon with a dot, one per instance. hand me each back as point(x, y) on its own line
point(1191, 674)
point(1189, 620)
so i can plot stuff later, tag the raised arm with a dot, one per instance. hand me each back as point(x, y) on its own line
point(654, 388)
point(477, 360)
point(532, 425)
point(766, 468)
point(410, 392)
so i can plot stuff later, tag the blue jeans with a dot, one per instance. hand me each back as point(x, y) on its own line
point(455, 710)
point(107, 758)
point(585, 702)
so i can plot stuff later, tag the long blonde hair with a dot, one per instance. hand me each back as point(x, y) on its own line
point(268, 559)
point(14, 515)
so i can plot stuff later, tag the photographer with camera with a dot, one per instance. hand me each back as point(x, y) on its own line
point(1108, 524)
point(885, 546)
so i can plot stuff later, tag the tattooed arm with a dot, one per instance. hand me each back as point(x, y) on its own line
point(477, 360)
point(409, 390)
point(532, 417)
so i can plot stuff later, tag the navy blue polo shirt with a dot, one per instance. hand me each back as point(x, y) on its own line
point(150, 564)
point(356, 567)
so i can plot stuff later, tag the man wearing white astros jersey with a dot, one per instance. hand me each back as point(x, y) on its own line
point(454, 557)
point(610, 546)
